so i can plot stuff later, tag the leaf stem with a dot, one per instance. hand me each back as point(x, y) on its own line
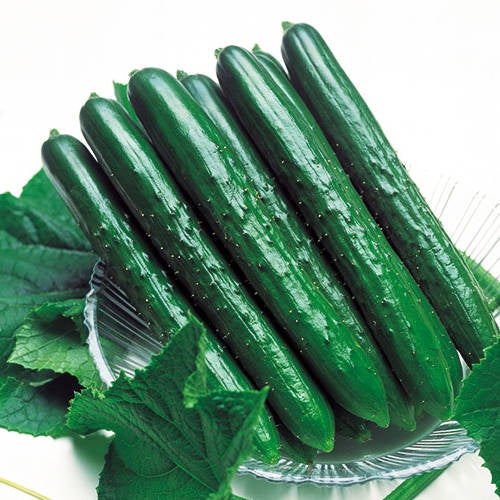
point(22, 488)
point(414, 485)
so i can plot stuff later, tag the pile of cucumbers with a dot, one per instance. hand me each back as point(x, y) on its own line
point(272, 207)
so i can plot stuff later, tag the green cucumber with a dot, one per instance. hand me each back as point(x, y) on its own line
point(398, 313)
point(395, 201)
point(144, 184)
point(203, 162)
point(446, 346)
point(132, 265)
point(207, 93)
point(269, 62)
point(276, 72)
point(346, 425)
point(351, 426)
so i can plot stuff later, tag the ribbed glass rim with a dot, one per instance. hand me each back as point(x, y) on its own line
point(445, 444)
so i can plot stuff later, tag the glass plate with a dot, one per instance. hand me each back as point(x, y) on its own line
point(120, 341)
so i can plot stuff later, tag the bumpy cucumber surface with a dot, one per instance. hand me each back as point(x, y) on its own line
point(202, 160)
point(388, 191)
point(144, 184)
point(287, 135)
point(207, 93)
point(133, 266)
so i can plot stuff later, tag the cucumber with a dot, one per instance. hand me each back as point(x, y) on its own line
point(351, 426)
point(143, 182)
point(133, 266)
point(203, 162)
point(346, 425)
point(447, 347)
point(276, 72)
point(273, 66)
point(208, 95)
point(395, 201)
point(402, 320)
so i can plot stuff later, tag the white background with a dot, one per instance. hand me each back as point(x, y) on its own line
point(429, 70)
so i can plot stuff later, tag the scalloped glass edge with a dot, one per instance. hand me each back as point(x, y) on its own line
point(445, 444)
point(362, 471)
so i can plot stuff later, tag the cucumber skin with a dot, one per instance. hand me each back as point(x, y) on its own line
point(285, 85)
point(208, 94)
point(391, 196)
point(272, 65)
point(131, 264)
point(274, 69)
point(204, 164)
point(142, 181)
point(391, 301)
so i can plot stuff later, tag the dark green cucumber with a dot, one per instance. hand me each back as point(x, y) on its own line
point(402, 320)
point(203, 162)
point(388, 191)
point(273, 68)
point(269, 62)
point(351, 426)
point(144, 184)
point(276, 72)
point(448, 349)
point(456, 372)
point(133, 266)
point(207, 93)
point(346, 425)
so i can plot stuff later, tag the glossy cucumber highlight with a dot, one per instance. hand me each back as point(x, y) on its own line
point(203, 162)
point(392, 197)
point(287, 135)
point(132, 265)
point(207, 93)
point(143, 182)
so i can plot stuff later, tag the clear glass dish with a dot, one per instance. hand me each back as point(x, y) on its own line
point(120, 341)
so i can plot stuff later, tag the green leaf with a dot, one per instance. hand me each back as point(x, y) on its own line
point(191, 451)
point(478, 409)
point(49, 339)
point(35, 378)
point(13, 310)
point(44, 257)
point(40, 411)
point(39, 216)
point(413, 486)
point(31, 269)
point(31, 275)
point(118, 481)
